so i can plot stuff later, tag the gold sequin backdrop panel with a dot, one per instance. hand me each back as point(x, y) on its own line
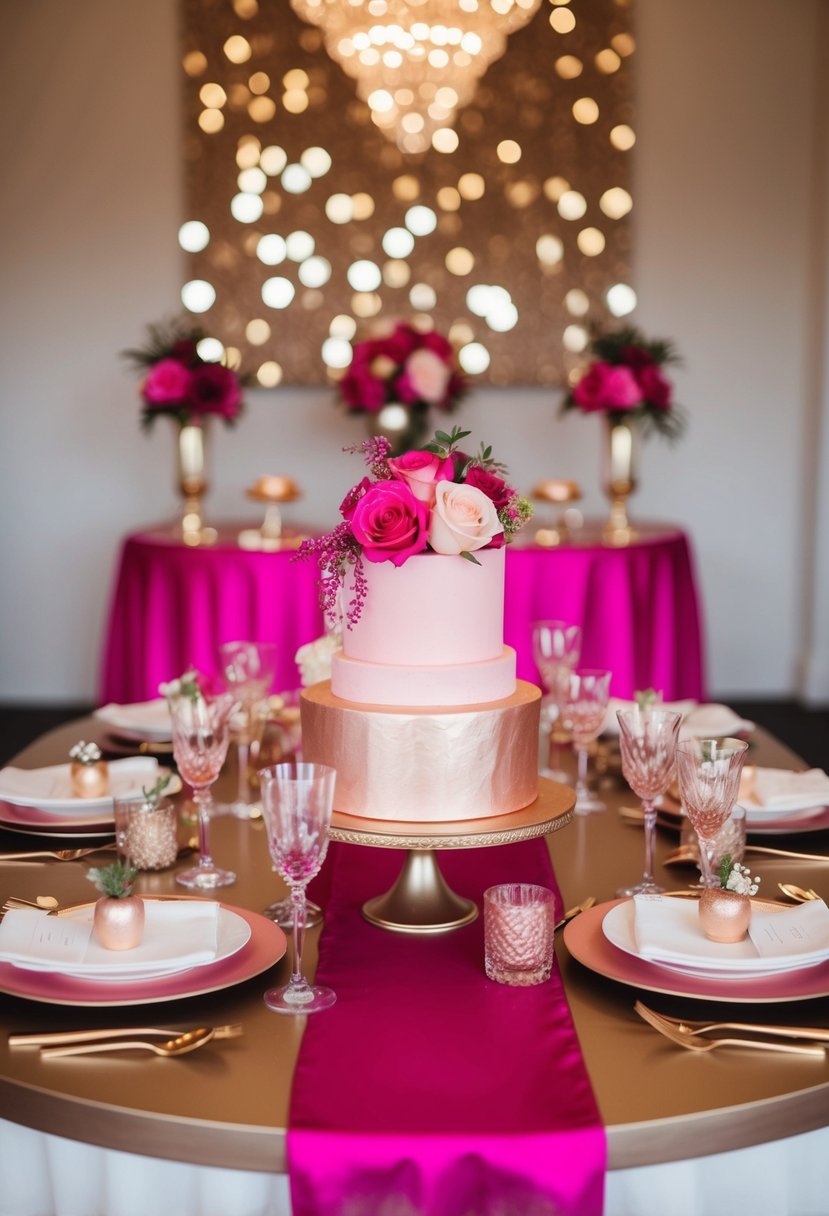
point(316, 225)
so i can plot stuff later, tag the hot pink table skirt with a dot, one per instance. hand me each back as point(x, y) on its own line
point(173, 606)
point(638, 608)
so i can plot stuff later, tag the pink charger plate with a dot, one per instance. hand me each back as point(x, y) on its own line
point(35, 821)
point(266, 946)
point(586, 942)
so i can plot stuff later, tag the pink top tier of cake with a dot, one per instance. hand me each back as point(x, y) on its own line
point(431, 632)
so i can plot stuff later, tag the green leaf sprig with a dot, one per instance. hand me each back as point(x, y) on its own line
point(114, 881)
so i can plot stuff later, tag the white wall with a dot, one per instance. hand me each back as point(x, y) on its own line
point(727, 217)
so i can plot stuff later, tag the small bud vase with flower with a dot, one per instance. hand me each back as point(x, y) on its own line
point(88, 771)
point(725, 911)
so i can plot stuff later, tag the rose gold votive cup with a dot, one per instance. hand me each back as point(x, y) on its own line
point(518, 933)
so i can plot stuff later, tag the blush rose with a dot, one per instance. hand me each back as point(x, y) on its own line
point(389, 523)
point(463, 519)
point(425, 378)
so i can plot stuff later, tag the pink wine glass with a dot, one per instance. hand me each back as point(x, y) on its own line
point(248, 669)
point(201, 734)
point(648, 738)
point(709, 781)
point(583, 712)
point(297, 802)
point(556, 651)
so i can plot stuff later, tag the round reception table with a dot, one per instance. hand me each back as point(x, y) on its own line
point(208, 1131)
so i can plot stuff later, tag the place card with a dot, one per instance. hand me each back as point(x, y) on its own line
point(801, 930)
point(28, 935)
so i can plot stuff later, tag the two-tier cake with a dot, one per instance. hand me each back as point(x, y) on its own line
point(423, 718)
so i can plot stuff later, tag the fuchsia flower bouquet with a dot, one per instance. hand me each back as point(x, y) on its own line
point(407, 366)
point(625, 380)
point(436, 499)
point(180, 383)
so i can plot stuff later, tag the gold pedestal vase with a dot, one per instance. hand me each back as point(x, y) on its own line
point(191, 478)
point(619, 477)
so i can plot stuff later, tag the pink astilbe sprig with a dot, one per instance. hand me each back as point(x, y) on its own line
point(333, 552)
point(375, 452)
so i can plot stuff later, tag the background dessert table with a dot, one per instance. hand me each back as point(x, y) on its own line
point(680, 1127)
point(173, 605)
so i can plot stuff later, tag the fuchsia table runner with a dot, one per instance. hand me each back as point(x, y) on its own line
point(428, 1089)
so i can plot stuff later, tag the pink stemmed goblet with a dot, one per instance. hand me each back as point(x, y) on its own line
point(200, 738)
point(297, 802)
point(556, 650)
point(583, 713)
point(709, 781)
point(648, 738)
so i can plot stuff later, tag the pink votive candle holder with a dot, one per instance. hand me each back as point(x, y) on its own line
point(518, 933)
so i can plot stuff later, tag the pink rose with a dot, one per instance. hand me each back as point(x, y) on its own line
point(167, 383)
point(439, 345)
point(463, 519)
point(389, 523)
point(399, 344)
point(655, 388)
point(491, 484)
point(607, 387)
point(421, 471)
point(215, 389)
point(425, 378)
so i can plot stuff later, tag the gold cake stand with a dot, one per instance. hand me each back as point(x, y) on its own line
point(421, 900)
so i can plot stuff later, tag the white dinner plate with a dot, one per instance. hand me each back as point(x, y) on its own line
point(587, 944)
point(735, 960)
point(233, 932)
point(143, 721)
point(50, 789)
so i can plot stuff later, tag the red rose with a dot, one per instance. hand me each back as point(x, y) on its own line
point(215, 390)
point(353, 497)
point(655, 388)
point(492, 485)
point(389, 523)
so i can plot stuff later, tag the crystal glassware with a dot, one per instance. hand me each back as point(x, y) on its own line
point(297, 802)
point(583, 713)
point(519, 919)
point(556, 651)
point(708, 771)
point(647, 739)
point(248, 670)
point(201, 734)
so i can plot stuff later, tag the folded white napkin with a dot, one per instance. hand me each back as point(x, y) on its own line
point(780, 789)
point(147, 719)
point(668, 932)
point(52, 787)
point(715, 721)
point(177, 935)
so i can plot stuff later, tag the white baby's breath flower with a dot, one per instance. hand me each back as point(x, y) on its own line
point(185, 686)
point(740, 880)
point(85, 753)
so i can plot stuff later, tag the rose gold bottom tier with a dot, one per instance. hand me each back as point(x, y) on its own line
point(438, 764)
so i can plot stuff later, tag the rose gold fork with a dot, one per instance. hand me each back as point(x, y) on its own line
point(694, 1042)
point(819, 1034)
point(58, 854)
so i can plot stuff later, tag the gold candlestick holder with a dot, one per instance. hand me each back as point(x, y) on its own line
point(273, 489)
point(563, 494)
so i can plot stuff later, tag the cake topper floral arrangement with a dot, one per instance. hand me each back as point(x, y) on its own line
point(625, 380)
point(407, 366)
point(179, 382)
point(437, 498)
